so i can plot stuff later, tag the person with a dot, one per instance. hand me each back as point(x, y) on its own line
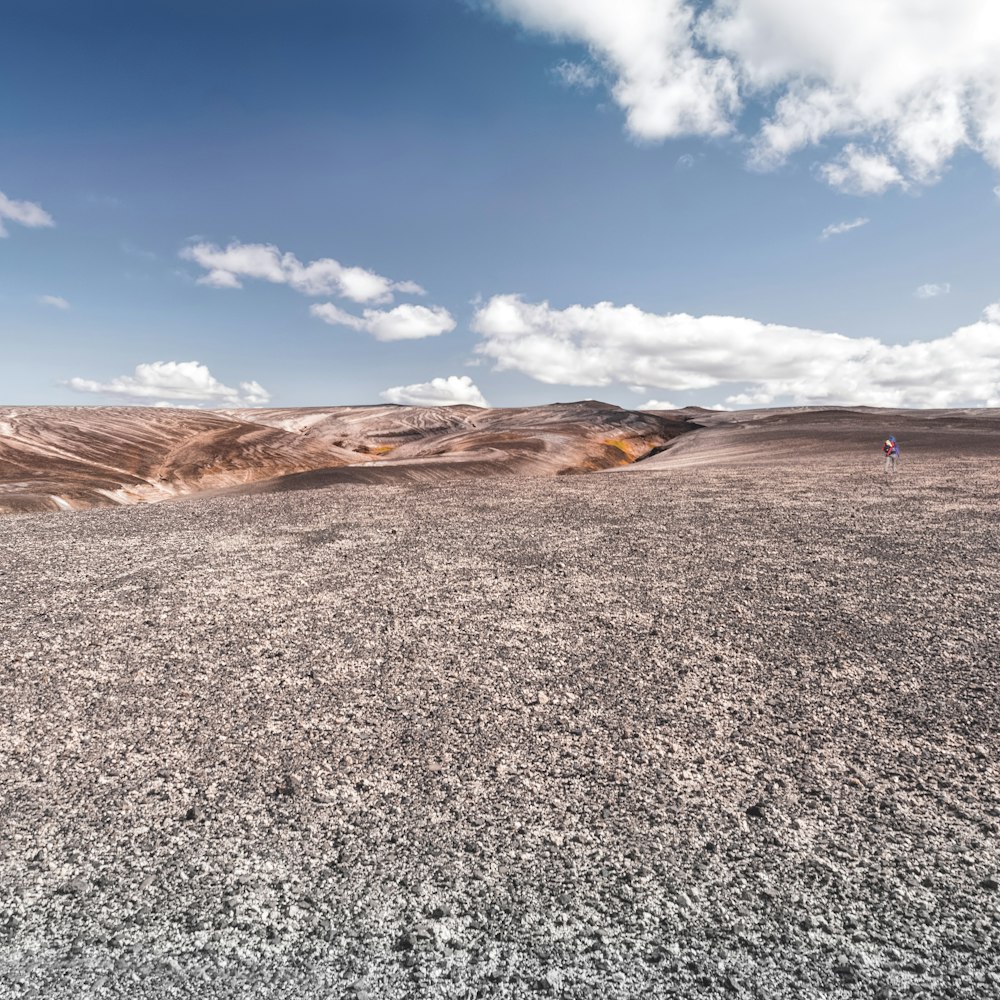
point(891, 451)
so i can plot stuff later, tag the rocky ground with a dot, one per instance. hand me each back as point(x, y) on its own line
point(712, 732)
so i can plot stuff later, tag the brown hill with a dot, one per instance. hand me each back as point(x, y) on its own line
point(78, 457)
point(419, 445)
point(805, 434)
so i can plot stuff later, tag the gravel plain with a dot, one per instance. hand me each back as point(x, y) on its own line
point(719, 732)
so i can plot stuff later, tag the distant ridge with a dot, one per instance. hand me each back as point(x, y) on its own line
point(75, 458)
point(62, 458)
point(848, 433)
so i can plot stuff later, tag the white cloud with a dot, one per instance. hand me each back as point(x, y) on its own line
point(218, 278)
point(684, 162)
point(759, 363)
point(657, 404)
point(665, 85)
point(56, 301)
point(174, 380)
point(917, 80)
point(843, 227)
point(24, 213)
point(226, 267)
point(576, 75)
point(932, 291)
point(405, 322)
point(996, 191)
point(438, 392)
point(857, 172)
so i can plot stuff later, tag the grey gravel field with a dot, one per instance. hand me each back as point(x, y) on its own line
point(719, 732)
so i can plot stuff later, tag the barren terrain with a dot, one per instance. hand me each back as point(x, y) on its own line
point(723, 724)
point(76, 457)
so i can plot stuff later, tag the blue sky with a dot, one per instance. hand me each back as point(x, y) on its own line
point(514, 162)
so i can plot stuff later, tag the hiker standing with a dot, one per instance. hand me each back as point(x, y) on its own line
point(891, 451)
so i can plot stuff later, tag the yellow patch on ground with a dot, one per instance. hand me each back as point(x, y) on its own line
point(625, 447)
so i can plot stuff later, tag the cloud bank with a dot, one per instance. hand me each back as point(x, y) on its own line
point(227, 268)
point(762, 364)
point(405, 322)
point(905, 83)
point(438, 392)
point(186, 381)
point(24, 213)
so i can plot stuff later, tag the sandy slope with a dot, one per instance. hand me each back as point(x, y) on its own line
point(79, 457)
point(64, 458)
point(55, 458)
point(700, 731)
point(439, 445)
point(823, 434)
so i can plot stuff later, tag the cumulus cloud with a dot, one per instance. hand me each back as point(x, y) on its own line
point(438, 392)
point(405, 322)
point(175, 380)
point(24, 213)
point(858, 172)
point(657, 404)
point(843, 227)
point(56, 301)
point(914, 80)
point(932, 291)
point(665, 84)
point(760, 363)
point(227, 267)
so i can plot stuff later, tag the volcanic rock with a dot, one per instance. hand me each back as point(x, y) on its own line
point(789, 630)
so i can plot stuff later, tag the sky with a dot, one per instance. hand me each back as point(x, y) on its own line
point(655, 203)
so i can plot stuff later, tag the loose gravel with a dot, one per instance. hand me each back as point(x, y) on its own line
point(713, 733)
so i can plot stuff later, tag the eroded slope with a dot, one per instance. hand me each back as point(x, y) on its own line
point(821, 435)
point(77, 457)
point(416, 445)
